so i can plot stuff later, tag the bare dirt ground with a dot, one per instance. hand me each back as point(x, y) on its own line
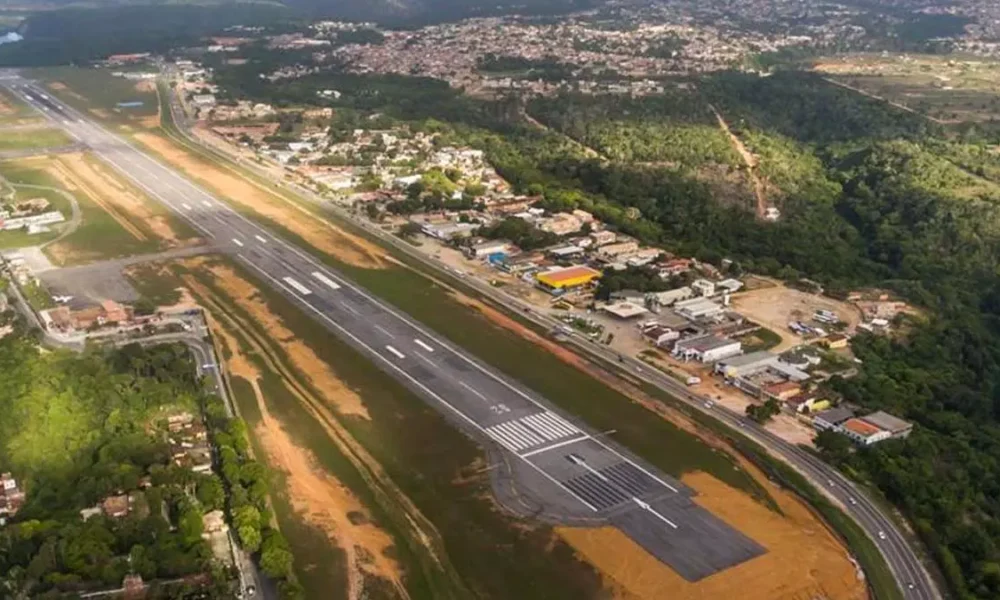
point(127, 206)
point(749, 159)
point(62, 88)
point(374, 559)
point(804, 560)
point(125, 199)
point(344, 400)
point(774, 307)
point(315, 495)
point(319, 233)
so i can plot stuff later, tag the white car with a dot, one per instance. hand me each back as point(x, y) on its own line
point(881, 535)
point(852, 500)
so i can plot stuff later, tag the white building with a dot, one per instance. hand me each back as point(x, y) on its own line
point(703, 287)
point(46, 218)
point(669, 297)
point(698, 308)
point(707, 348)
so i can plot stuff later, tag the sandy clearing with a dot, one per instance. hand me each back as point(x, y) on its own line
point(342, 398)
point(774, 307)
point(804, 559)
point(367, 466)
point(319, 233)
point(125, 198)
point(316, 496)
point(72, 182)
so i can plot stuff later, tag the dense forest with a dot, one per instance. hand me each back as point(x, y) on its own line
point(870, 196)
point(77, 429)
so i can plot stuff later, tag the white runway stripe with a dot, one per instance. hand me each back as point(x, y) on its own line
point(508, 443)
point(535, 423)
point(396, 352)
point(295, 284)
point(523, 431)
point(561, 422)
point(506, 429)
point(333, 285)
point(423, 345)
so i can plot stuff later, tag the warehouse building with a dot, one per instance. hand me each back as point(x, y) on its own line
point(566, 278)
point(897, 428)
point(707, 348)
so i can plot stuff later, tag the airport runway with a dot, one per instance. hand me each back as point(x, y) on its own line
point(572, 474)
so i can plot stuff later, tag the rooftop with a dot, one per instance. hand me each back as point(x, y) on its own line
point(860, 427)
point(884, 420)
point(705, 343)
point(624, 310)
point(835, 415)
point(567, 273)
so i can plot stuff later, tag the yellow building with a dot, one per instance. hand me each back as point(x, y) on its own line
point(568, 277)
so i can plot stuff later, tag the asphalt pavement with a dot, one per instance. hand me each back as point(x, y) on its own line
point(568, 473)
point(899, 552)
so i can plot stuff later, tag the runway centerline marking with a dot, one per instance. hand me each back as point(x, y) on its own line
point(474, 391)
point(333, 285)
point(423, 344)
point(186, 206)
point(385, 332)
point(396, 352)
point(237, 242)
point(298, 286)
point(261, 239)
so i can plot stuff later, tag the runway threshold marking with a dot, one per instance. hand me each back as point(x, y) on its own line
point(423, 345)
point(417, 383)
point(556, 445)
point(298, 286)
point(396, 352)
point(333, 285)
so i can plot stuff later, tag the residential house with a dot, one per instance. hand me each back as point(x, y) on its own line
point(602, 238)
point(782, 390)
point(703, 287)
point(115, 507)
point(836, 341)
point(660, 336)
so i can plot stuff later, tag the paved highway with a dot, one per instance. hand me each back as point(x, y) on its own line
point(562, 471)
point(903, 560)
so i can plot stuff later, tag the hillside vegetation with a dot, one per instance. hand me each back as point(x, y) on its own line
point(870, 195)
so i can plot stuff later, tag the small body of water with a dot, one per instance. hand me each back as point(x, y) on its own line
point(11, 37)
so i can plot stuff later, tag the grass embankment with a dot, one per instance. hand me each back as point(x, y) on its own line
point(416, 478)
point(98, 92)
point(116, 220)
point(28, 139)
